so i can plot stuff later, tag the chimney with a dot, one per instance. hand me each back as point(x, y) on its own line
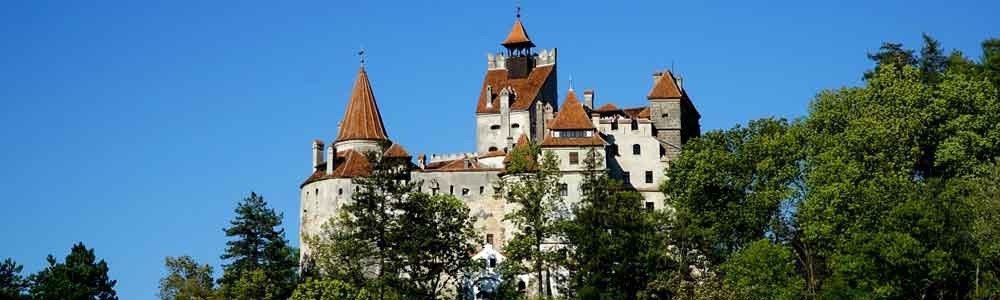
point(331, 158)
point(317, 154)
point(588, 99)
point(422, 161)
point(656, 76)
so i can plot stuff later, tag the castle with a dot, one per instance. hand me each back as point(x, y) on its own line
point(517, 103)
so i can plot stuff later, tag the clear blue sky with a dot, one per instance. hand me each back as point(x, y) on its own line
point(136, 126)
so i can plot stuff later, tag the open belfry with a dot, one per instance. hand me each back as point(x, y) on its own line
point(518, 103)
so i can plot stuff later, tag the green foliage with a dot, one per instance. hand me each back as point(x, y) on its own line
point(764, 270)
point(79, 277)
point(12, 284)
point(881, 192)
point(610, 235)
point(186, 280)
point(538, 212)
point(393, 240)
point(259, 249)
point(252, 284)
point(328, 290)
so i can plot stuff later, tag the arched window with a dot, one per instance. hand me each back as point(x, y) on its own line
point(340, 191)
point(636, 150)
point(495, 127)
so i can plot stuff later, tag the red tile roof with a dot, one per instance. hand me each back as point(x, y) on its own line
point(526, 88)
point(493, 154)
point(397, 151)
point(594, 140)
point(572, 116)
point(348, 164)
point(665, 87)
point(610, 107)
point(637, 112)
point(517, 35)
point(362, 120)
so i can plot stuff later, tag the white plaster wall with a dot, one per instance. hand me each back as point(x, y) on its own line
point(487, 210)
point(486, 137)
point(362, 146)
point(321, 201)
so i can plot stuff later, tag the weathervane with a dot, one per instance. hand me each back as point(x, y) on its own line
point(518, 9)
point(362, 55)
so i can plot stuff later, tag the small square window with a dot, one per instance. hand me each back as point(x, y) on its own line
point(563, 189)
point(574, 158)
point(649, 176)
point(650, 205)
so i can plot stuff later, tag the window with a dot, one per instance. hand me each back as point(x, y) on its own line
point(493, 262)
point(635, 124)
point(515, 125)
point(649, 176)
point(340, 192)
point(451, 189)
point(572, 133)
point(665, 115)
point(493, 149)
point(482, 189)
point(434, 191)
point(636, 150)
point(495, 127)
point(574, 158)
point(563, 189)
point(650, 206)
point(614, 124)
point(663, 151)
point(626, 178)
point(357, 189)
point(489, 239)
point(465, 191)
point(317, 192)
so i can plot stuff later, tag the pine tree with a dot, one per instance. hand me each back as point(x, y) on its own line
point(79, 277)
point(12, 284)
point(259, 247)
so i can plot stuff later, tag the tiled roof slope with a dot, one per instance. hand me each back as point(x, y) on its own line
point(517, 35)
point(349, 164)
point(362, 120)
point(526, 88)
point(665, 87)
point(397, 151)
point(594, 140)
point(572, 116)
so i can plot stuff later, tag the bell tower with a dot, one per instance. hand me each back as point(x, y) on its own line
point(519, 55)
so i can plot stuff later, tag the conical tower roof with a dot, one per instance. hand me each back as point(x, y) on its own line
point(517, 36)
point(571, 115)
point(362, 120)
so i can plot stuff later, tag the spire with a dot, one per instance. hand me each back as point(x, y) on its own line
point(572, 115)
point(518, 37)
point(362, 120)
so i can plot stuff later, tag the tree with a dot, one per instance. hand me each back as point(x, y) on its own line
point(79, 277)
point(186, 280)
point(12, 284)
point(890, 55)
point(391, 239)
point(259, 247)
point(932, 61)
point(433, 242)
point(610, 236)
point(313, 289)
point(533, 189)
point(764, 270)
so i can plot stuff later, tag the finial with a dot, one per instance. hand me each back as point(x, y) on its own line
point(362, 55)
point(518, 9)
